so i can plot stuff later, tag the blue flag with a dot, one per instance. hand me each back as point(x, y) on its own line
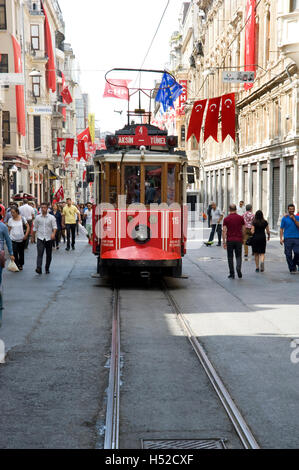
point(168, 92)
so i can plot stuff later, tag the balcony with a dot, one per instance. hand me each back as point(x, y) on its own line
point(288, 41)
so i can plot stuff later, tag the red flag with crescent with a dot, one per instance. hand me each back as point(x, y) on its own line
point(228, 115)
point(196, 119)
point(59, 196)
point(85, 136)
point(211, 124)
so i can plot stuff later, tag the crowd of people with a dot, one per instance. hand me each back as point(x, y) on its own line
point(243, 228)
point(46, 226)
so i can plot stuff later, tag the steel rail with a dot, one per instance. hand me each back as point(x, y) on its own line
point(113, 392)
point(235, 416)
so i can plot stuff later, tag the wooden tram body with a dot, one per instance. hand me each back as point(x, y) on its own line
point(140, 216)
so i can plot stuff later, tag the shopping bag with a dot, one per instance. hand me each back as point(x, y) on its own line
point(83, 230)
point(13, 267)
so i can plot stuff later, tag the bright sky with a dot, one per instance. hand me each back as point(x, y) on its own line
point(115, 33)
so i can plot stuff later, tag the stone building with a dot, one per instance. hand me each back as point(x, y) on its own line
point(261, 167)
point(30, 160)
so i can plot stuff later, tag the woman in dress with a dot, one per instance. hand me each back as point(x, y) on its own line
point(259, 228)
point(16, 227)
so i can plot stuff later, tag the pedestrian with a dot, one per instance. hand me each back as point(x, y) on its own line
point(83, 210)
point(19, 231)
point(289, 237)
point(216, 220)
point(8, 212)
point(248, 219)
point(88, 220)
point(45, 227)
point(4, 238)
point(233, 234)
point(27, 212)
point(258, 229)
point(241, 208)
point(209, 215)
point(2, 209)
point(69, 222)
point(58, 216)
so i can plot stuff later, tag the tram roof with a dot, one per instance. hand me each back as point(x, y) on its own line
point(147, 157)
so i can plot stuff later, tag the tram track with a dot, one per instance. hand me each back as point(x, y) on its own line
point(113, 393)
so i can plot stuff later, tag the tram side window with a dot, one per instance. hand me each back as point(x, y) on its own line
point(171, 184)
point(132, 183)
point(153, 181)
point(113, 184)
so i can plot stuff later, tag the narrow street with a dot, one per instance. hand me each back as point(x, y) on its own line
point(57, 332)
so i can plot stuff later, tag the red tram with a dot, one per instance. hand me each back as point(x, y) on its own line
point(140, 216)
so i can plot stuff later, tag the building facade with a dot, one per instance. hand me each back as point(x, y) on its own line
point(30, 163)
point(261, 166)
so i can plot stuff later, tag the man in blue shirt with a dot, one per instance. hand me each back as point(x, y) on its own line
point(289, 236)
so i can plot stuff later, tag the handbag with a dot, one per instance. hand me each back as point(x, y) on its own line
point(249, 241)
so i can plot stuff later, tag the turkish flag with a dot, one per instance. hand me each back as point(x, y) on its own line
point(58, 146)
point(50, 67)
point(211, 124)
point(228, 116)
point(20, 100)
point(250, 29)
point(81, 150)
point(196, 119)
point(66, 95)
point(59, 196)
point(117, 88)
point(85, 136)
point(69, 149)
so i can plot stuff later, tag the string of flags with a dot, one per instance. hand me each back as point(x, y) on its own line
point(228, 118)
point(83, 139)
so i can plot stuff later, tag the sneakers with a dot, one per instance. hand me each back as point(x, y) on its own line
point(257, 270)
point(67, 249)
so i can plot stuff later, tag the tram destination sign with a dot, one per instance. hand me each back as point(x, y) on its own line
point(141, 137)
point(233, 76)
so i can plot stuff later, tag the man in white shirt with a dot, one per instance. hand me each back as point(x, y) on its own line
point(45, 227)
point(27, 212)
point(241, 208)
point(216, 222)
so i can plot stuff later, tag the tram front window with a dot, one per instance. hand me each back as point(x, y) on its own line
point(153, 181)
point(132, 183)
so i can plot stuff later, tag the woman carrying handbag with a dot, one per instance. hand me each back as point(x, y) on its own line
point(19, 230)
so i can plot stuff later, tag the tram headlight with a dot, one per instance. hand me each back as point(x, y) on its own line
point(141, 234)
